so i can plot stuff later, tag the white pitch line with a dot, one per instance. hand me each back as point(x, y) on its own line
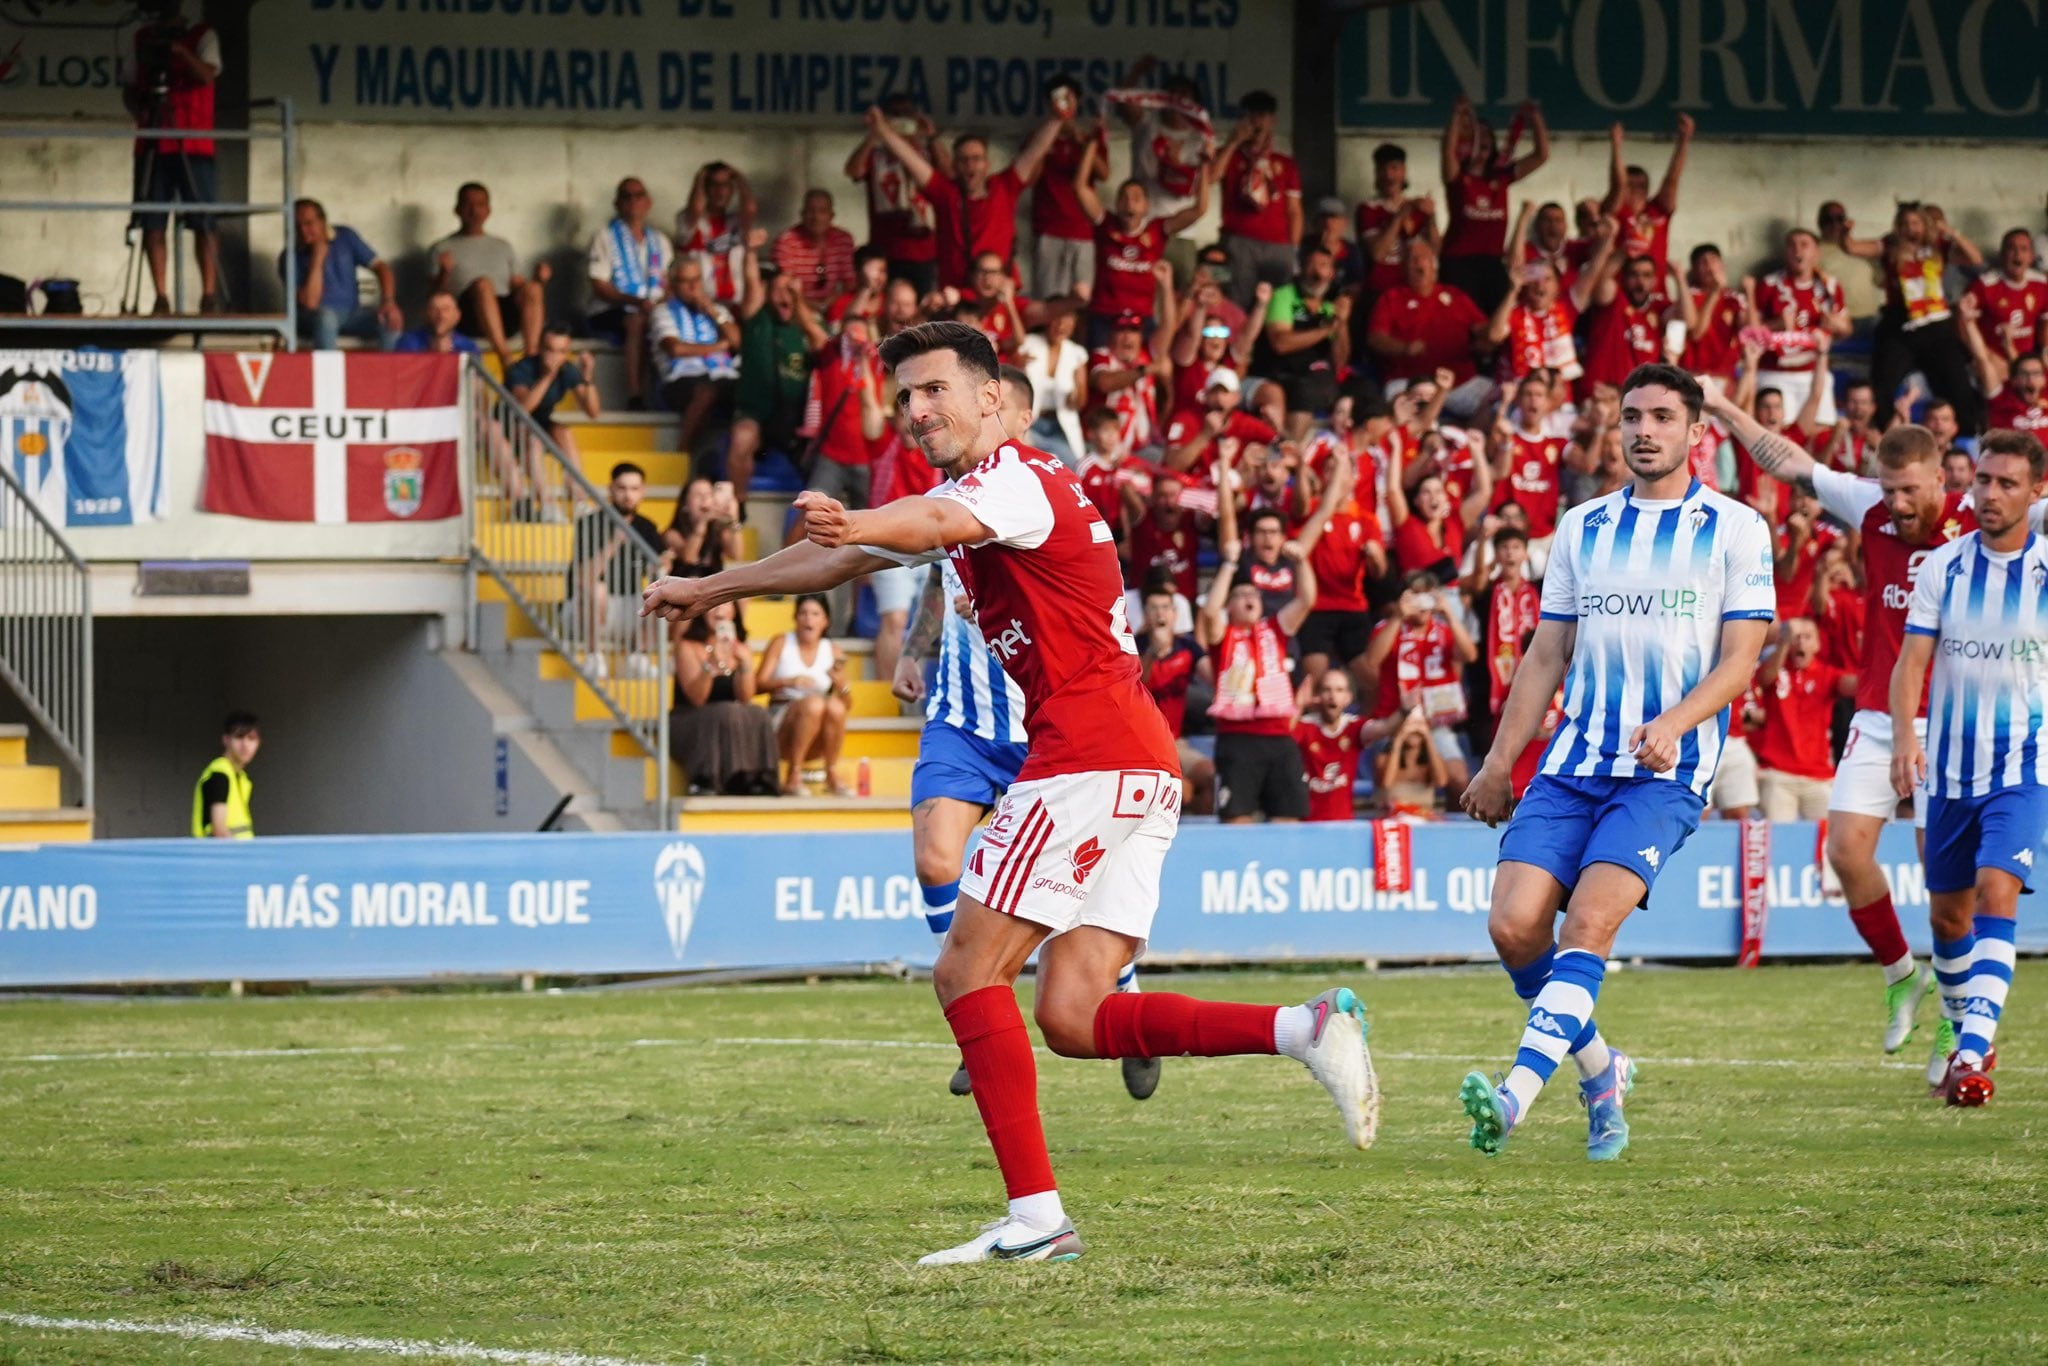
point(760, 1041)
point(200, 1330)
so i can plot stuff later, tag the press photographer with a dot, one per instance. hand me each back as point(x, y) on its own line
point(170, 86)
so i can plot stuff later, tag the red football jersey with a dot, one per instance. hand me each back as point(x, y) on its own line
point(1240, 427)
point(1055, 208)
point(1383, 272)
point(1714, 349)
point(1798, 714)
point(1256, 187)
point(2008, 409)
point(1050, 600)
point(1331, 760)
point(1104, 483)
point(1136, 405)
point(1123, 268)
point(1534, 480)
point(1621, 336)
point(1538, 341)
point(1479, 215)
point(1780, 298)
point(1175, 550)
point(1646, 232)
point(1423, 667)
point(1889, 567)
point(964, 228)
point(2011, 313)
point(1339, 558)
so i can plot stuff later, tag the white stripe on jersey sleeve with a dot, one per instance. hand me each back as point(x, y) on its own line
point(1749, 589)
point(1560, 601)
point(1844, 495)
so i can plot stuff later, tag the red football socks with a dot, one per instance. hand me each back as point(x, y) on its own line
point(1159, 1024)
point(1878, 923)
point(997, 1054)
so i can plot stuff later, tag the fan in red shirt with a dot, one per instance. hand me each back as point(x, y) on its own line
point(1479, 175)
point(1425, 325)
point(1117, 482)
point(1548, 241)
point(1129, 243)
point(1261, 189)
point(1508, 606)
point(1064, 233)
point(994, 305)
point(1714, 315)
point(1194, 434)
point(899, 216)
point(1625, 326)
point(1645, 219)
point(1344, 544)
point(1072, 853)
point(1258, 768)
point(2023, 403)
point(1391, 219)
point(1205, 344)
point(1165, 538)
point(1121, 377)
point(1534, 327)
point(1429, 528)
point(1419, 654)
point(2012, 301)
point(973, 211)
point(1528, 458)
point(1797, 690)
point(1851, 444)
point(1332, 740)
point(1801, 541)
point(1168, 663)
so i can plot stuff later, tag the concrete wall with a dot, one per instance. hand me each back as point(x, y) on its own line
point(365, 729)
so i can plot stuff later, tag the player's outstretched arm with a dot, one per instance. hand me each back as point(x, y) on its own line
point(1490, 795)
point(1778, 456)
point(1909, 677)
point(1656, 742)
point(800, 568)
point(908, 526)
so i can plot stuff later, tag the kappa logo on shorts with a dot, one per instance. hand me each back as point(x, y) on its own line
point(1086, 857)
point(2025, 858)
point(1649, 856)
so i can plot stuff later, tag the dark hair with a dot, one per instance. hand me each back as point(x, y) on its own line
point(1258, 102)
point(238, 723)
point(1010, 374)
point(699, 628)
point(1265, 515)
point(2011, 233)
point(317, 207)
point(1703, 249)
point(976, 353)
point(1063, 81)
point(628, 467)
point(1770, 389)
point(1159, 579)
point(866, 253)
point(466, 186)
point(1509, 533)
point(1421, 581)
point(560, 329)
point(1670, 377)
point(1389, 151)
point(1096, 416)
point(1243, 579)
point(1636, 170)
point(2006, 441)
point(966, 138)
point(1160, 590)
point(823, 606)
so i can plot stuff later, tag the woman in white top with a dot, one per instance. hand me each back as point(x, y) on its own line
point(805, 679)
point(1058, 367)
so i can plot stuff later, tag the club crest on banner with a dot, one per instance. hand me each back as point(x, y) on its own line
point(404, 472)
point(679, 887)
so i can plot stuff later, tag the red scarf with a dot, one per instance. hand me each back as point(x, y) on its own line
point(1515, 611)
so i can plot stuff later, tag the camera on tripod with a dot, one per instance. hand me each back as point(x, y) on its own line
point(156, 44)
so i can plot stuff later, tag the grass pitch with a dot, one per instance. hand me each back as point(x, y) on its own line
point(664, 1175)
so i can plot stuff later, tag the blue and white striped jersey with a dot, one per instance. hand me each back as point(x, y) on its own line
point(1987, 703)
point(1649, 585)
point(970, 690)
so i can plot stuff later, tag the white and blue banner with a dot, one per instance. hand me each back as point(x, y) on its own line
point(426, 906)
point(83, 433)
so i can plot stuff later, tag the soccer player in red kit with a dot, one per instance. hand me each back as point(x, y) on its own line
point(1902, 515)
point(1069, 865)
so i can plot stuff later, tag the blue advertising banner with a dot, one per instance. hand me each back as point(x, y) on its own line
point(1847, 68)
point(425, 906)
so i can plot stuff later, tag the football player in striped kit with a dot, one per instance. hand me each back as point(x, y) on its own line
point(1658, 599)
point(1979, 615)
point(973, 740)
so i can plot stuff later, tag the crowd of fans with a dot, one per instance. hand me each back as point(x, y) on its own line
point(1362, 419)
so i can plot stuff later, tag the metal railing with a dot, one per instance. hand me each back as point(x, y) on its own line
point(284, 325)
point(46, 627)
point(564, 557)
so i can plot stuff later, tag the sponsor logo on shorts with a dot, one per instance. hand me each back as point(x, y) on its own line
point(1086, 857)
point(1054, 885)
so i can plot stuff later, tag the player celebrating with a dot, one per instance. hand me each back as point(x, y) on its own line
point(1902, 515)
point(972, 744)
point(1659, 597)
point(1984, 598)
point(1071, 859)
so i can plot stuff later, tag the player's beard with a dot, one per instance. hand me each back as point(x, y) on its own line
point(1650, 466)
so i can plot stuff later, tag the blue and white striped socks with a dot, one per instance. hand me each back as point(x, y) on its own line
point(939, 904)
point(1589, 1050)
point(1561, 1012)
point(1984, 989)
point(1952, 959)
